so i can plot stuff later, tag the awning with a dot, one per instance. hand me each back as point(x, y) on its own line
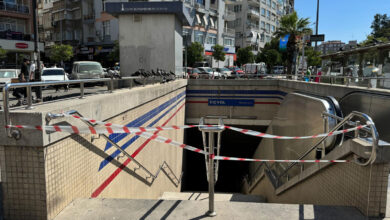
point(205, 20)
point(207, 53)
point(198, 19)
point(212, 22)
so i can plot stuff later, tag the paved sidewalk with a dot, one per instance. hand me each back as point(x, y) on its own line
point(118, 209)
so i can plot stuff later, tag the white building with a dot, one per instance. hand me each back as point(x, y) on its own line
point(257, 20)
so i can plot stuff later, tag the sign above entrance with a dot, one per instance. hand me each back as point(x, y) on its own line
point(231, 102)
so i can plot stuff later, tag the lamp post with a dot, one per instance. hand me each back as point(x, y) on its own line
point(37, 58)
point(318, 11)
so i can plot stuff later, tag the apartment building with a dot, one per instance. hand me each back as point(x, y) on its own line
point(209, 28)
point(331, 46)
point(16, 31)
point(84, 24)
point(257, 20)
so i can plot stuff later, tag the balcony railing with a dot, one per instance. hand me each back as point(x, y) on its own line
point(14, 8)
point(229, 31)
point(254, 12)
point(12, 35)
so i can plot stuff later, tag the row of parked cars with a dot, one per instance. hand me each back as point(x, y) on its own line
point(214, 73)
point(80, 70)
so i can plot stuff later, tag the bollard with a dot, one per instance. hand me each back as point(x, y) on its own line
point(29, 98)
point(111, 84)
point(81, 90)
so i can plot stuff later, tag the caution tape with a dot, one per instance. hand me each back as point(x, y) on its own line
point(271, 136)
point(244, 131)
point(158, 138)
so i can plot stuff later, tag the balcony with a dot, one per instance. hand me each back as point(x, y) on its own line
point(254, 13)
point(254, 2)
point(229, 32)
point(23, 9)
point(229, 15)
point(12, 35)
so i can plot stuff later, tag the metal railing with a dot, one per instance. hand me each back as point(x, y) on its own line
point(176, 181)
point(81, 83)
point(371, 129)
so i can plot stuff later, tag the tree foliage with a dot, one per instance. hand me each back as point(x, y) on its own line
point(245, 55)
point(296, 27)
point(3, 53)
point(61, 52)
point(194, 53)
point(218, 53)
point(114, 54)
point(313, 57)
point(380, 30)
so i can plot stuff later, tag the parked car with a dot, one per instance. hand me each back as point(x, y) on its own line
point(211, 72)
point(55, 74)
point(278, 70)
point(87, 70)
point(236, 72)
point(225, 71)
point(194, 73)
point(7, 74)
point(253, 68)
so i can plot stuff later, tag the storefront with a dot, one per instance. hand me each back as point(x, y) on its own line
point(17, 50)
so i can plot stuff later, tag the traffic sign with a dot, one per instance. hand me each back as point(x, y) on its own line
point(319, 37)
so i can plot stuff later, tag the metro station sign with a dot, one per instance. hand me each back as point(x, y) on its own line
point(319, 37)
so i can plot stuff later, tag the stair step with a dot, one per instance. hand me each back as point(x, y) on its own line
point(203, 196)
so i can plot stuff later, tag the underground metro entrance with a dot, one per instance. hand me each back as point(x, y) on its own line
point(231, 173)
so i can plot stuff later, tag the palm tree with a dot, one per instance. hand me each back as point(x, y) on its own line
point(291, 24)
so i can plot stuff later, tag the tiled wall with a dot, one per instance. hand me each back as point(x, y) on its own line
point(39, 182)
point(23, 182)
point(345, 184)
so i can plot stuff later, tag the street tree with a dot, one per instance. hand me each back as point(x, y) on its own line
point(245, 55)
point(313, 57)
point(113, 56)
point(296, 27)
point(194, 53)
point(3, 53)
point(61, 52)
point(380, 30)
point(218, 53)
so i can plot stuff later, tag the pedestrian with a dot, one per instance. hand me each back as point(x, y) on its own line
point(24, 76)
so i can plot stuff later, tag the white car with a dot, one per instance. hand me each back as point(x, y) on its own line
point(225, 72)
point(54, 74)
point(7, 74)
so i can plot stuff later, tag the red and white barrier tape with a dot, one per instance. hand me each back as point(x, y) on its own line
point(244, 131)
point(158, 138)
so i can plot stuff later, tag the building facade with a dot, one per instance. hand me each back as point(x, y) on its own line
point(257, 20)
point(331, 46)
point(84, 24)
point(209, 28)
point(16, 31)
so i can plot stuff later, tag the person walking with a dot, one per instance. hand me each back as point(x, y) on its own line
point(24, 76)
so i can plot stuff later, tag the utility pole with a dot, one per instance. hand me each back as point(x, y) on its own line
point(318, 11)
point(37, 58)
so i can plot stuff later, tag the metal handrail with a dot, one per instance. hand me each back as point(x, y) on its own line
point(343, 121)
point(29, 85)
point(50, 116)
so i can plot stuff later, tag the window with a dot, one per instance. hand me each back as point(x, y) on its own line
point(267, 38)
point(267, 28)
point(272, 28)
point(106, 28)
point(273, 5)
point(199, 38)
point(262, 25)
point(237, 8)
point(263, 12)
point(229, 42)
point(268, 14)
point(262, 38)
point(269, 2)
point(211, 40)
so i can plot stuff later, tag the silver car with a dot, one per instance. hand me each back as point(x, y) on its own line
point(87, 70)
point(6, 75)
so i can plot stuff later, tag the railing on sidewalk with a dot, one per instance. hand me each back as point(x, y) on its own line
point(29, 85)
point(283, 176)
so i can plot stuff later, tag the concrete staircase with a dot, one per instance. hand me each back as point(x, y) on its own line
point(181, 206)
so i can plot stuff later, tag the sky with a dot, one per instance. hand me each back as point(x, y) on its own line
point(343, 20)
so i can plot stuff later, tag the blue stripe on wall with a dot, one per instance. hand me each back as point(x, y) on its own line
point(108, 159)
point(143, 119)
point(267, 92)
point(255, 97)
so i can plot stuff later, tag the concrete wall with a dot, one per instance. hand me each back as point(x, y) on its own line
point(264, 94)
point(39, 178)
point(150, 41)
